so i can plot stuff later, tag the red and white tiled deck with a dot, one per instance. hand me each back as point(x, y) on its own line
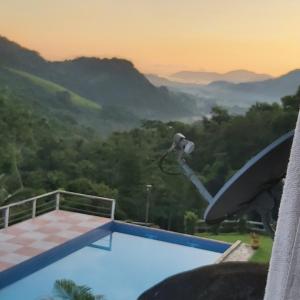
point(32, 237)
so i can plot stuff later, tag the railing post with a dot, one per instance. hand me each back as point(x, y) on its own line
point(6, 217)
point(33, 208)
point(57, 199)
point(113, 208)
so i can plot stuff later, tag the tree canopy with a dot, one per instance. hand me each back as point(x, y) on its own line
point(40, 154)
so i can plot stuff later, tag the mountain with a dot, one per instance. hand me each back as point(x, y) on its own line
point(109, 83)
point(56, 89)
point(236, 97)
point(111, 94)
point(53, 101)
point(116, 82)
point(261, 91)
point(16, 56)
point(162, 81)
point(173, 85)
point(196, 90)
point(235, 76)
point(277, 87)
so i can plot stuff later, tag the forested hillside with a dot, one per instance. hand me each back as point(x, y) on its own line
point(40, 154)
point(53, 101)
point(90, 83)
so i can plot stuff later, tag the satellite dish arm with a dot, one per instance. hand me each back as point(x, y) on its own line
point(190, 174)
point(182, 147)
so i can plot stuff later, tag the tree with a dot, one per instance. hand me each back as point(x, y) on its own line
point(291, 102)
point(68, 290)
point(219, 115)
point(44, 153)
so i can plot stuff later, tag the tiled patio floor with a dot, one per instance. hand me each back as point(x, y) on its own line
point(29, 238)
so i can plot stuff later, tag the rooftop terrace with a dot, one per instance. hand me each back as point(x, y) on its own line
point(50, 223)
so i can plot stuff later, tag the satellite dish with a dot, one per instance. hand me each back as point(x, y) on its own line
point(261, 174)
point(256, 186)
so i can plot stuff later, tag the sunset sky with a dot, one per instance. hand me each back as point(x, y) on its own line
point(162, 36)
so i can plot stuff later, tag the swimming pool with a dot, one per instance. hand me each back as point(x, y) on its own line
point(119, 261)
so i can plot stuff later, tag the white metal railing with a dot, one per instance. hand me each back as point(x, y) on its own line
point(60, 202)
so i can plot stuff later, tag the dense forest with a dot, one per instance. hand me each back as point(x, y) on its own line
point(41, 154)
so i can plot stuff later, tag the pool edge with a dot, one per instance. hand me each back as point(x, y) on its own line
point(24, 269)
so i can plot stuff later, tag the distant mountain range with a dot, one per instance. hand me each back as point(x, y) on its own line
point(111, 94)
point(237, 97)
point(102, 93)
point(235, 76)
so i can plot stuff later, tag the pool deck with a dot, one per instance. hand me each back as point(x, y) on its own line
point(237, 252)
point(27, 239)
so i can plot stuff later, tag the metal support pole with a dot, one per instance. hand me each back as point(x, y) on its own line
point(57, 200)
point(264, 204)
point(190, 174)
point(147, 209)
point(148, 186)
point(113, 208)
point(6, 217)
point(33, 208)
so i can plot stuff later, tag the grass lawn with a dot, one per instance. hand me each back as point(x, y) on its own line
point(261, 255)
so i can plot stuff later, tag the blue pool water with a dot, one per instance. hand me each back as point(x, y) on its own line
point(119, 266)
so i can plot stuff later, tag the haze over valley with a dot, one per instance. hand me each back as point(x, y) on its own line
point(235, 96)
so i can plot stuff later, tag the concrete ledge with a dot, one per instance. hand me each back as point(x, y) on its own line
point(229, 251)
point(237, 252)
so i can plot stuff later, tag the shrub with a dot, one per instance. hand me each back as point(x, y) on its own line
point(190, 222)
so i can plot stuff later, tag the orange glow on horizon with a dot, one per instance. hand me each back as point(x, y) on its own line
point(161, 36)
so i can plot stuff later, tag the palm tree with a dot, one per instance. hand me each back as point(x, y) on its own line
point(5, 195)
point(68, 290)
